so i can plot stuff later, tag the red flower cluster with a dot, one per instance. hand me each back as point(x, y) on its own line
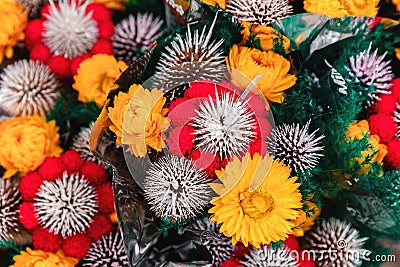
point(63, 66)
point(49, 174)
point(382, 122)
point(181, 138)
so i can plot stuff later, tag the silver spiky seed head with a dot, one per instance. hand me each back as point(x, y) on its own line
point(67, 205)
point(135, 35)
point(224, 126)
point(268, 256)
point(295, 146)
point(176, 188)
point(261, 12)
point(192, 58)
point(28, 87)
point(340, 238)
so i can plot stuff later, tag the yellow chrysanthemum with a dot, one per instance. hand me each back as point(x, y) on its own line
point(26, 142)
point(220, 3)
point(396, 3)
point(13, 21)
point(341, 8)
point(113, 4)
point(96, 76)
point(253, 62)
point(304, 223)
point(258, 216)
point(397, 52)
point(139, 119)
point(38, 258)
point(265, 34)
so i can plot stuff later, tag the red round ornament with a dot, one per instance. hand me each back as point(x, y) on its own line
point(382, 125)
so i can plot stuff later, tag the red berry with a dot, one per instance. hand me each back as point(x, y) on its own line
point(29, 185)
point(76, 246)
point(27, 215)
point(42, 239)
point(384, 126)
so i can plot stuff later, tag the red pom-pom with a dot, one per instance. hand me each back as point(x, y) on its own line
point(384, 126)
point(46, 11)
point(102, 47)
point(71, 161)
point(27, 215)
point(100, 12)
point(392, 158)
point(40, 52)
point(46, 241)
point(76, 246)
point(305, 259)
point(180, 141)
point(51, 169)
point(60, 66)
point(231, 262)
point(292, 243)
point(33, 33)
point(241, 251)
point(100, 226)
point(396, 89)
point(386, 105)
point(75, 62)
point(105, 198)
point(94, 173)
point(29, 185)
point(106, 30)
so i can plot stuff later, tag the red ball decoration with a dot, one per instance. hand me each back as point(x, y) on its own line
point(387, 104)
point(384, 126)
point(27, 215)
point(29, 185)
point(392, 158)
point(76, 62)
point(94, 173)
point(292, 243)
point(396, 89)
point(105, 198)
point(231, 262)
point(102, 47)
point(106, 30)
point(46, 11)
point(76, 246)
point(46, 241)
point(71, 161)
point(33, 33)
point(99, 12)
point(40, 52)
point(60, 66)
point(51, 169)
point(100, 226)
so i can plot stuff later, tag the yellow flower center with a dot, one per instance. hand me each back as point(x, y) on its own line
point(256, 204)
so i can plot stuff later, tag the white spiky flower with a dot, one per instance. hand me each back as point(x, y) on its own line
point(224, 126)
point(68, 30)
point(28, 87)
point(108, 251)
point(219, 245)
point(176, 188)
point(66, 205)
point(259, 11)
point(10, 199)
point(295, 146)
point(396, 118)
point(192, 58)
point(340, 238)
point(369, 68)
point(135, 35)
point(268, 256)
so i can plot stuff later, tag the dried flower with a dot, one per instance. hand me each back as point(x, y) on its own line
point(268, 256)
point(38, 258)
point(341, 8)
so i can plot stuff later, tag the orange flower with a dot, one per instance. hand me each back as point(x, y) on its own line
point(253, 62)
point(113, 4)
point(139, 119)
point(26, 142)
point(220, 3)
point(12, 24)
point(304, 223)
point(341, 8)
point(265, 34)
point(96, 76)
point(38, 258)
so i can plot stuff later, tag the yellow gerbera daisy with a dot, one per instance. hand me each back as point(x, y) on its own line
point(259, 216)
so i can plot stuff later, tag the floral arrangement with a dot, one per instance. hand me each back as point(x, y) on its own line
point(199, 133)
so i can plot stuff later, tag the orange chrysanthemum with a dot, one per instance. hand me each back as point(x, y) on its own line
point(253, 62)
point(256, 205)
point(220, 3)
point(13, 21)
point(96, 76)
point(38, 258)
point(139, 119)
point(304, 223)
point(26, 142)
point(341, 8)
point(113, 4)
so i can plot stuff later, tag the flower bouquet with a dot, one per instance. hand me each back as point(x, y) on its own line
point(206, 133)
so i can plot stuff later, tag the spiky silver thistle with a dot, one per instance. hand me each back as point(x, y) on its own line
point(339, 238)
point(295, 146)
point(66, 205)
point(108, 251)
point(68, 30)
point(134, 35)
point(28, 87)
point(195, 57)
point(10, 199)
point(33, 6)
point(368, 68)
point(219, 245)
point(224, 126)
point(176, 188)
point(396, 118)
point(259, 11)
point(268, 256)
